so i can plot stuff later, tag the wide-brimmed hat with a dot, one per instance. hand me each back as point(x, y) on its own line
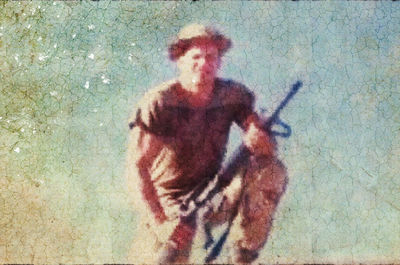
point(194, 34)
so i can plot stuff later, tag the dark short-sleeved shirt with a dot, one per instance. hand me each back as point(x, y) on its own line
point(193, 139)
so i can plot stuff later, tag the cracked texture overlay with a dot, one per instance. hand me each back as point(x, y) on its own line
point(72, 72)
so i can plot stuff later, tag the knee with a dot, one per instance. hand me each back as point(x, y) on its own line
point(268, 175)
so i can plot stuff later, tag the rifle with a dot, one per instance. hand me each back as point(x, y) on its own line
point(238, 159)
point(201, 196)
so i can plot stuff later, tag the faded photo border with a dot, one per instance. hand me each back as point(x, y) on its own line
point(72, 72)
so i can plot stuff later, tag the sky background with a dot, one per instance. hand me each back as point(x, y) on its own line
point(71, 72)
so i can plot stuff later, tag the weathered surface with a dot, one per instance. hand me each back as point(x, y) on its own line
point(71, 73)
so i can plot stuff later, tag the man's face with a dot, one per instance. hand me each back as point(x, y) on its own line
point(200, 62)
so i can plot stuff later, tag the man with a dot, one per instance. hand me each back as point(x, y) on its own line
point(177, 142)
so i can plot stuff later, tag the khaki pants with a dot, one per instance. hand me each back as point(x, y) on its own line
point(254, 196)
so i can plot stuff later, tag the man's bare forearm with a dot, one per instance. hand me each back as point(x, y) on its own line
point(149, 192)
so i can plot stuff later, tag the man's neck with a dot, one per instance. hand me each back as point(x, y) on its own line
point(197, 93)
